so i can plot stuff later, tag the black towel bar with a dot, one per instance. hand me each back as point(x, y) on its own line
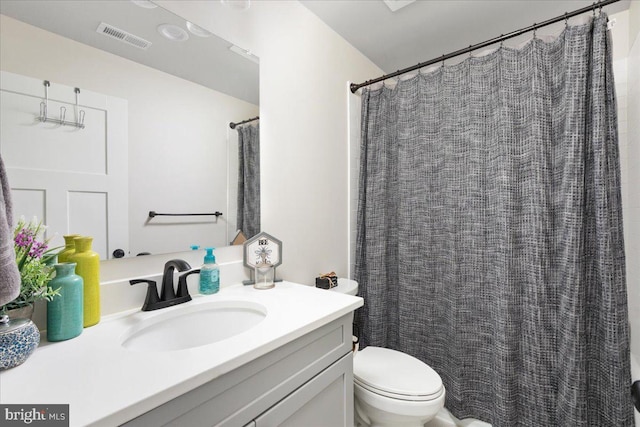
point(154, 213)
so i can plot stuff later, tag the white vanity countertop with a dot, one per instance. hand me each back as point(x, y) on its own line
point(106, 384)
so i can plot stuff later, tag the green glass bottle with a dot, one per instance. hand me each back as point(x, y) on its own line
point(88, 267)
point(69, 248)
point(65, 312)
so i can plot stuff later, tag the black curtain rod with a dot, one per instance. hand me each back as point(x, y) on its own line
point(354, 87)
point(233, 125)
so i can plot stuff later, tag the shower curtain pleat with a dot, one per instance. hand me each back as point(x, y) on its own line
point(490, 232)
point(248, 217)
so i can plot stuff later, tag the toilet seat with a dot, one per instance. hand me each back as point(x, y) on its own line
point(396, 375)
point(398, 396)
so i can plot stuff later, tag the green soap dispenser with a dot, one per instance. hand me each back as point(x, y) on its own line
point(209, 274)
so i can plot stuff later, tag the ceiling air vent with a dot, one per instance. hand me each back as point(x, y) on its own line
point(123, 36)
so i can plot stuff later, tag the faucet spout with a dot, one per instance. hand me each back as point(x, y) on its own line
point(168, 292)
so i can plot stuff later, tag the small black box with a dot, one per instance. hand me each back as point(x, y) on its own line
point(326, 282)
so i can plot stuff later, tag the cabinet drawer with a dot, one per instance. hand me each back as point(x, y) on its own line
point(324, 401)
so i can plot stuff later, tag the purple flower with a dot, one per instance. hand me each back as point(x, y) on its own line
point(37, 249)
point(25, 238)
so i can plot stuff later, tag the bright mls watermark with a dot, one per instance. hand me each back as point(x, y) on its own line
point(34, 415)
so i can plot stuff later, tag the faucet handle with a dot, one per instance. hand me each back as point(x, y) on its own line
point(183, 290)
point(152, 293)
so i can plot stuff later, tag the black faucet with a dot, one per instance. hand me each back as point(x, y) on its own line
point(168, 296)
point(167, 292)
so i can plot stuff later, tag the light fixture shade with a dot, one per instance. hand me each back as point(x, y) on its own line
point(173, 32)
point(197, 31)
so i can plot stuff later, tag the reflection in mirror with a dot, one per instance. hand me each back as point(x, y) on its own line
point(167, 102)
point(248, 216)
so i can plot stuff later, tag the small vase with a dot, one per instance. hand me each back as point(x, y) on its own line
point(65, 312)
point(69, 248)
point(88, 267)
point(19, 338)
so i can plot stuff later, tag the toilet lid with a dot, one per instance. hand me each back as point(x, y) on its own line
point(395, 374)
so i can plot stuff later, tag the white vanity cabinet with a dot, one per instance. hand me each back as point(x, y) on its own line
point(306, 382)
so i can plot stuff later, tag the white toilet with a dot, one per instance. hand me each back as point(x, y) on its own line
point(392, 388)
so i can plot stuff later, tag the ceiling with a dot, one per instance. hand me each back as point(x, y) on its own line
point(206, 61)
point(420, 31)
point(426, 29)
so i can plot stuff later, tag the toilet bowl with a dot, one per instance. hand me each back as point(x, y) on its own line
point(394, 389)
point(391, 388)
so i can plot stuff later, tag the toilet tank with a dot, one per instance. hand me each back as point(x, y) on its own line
point(346, 286)
point(350, 287)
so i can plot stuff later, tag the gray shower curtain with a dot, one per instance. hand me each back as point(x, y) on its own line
point(490, 238)
point(249, 180)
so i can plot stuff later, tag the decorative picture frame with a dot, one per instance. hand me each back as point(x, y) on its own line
point(262, 248)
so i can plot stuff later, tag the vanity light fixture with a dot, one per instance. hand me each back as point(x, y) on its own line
point(144, 3)
point(197, 31)
point(173, 32)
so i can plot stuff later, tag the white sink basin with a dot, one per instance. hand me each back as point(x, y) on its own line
point(194, 325)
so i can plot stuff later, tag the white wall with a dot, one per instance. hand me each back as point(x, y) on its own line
point(632, 193)
point(177, 133)
point(632, 210)
point(304, 69)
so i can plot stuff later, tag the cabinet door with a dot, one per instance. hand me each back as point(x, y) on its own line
point(325, 401)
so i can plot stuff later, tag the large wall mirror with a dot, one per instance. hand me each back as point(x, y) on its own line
point(166, 87)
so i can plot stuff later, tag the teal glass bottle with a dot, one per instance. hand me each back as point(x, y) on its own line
point(65, 312)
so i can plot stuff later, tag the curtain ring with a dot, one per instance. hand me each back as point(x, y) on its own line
point(501, 41)
point(534, 30)
point(599, 8)
point(442, 61)
point(471, 51)
point(566, 20)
